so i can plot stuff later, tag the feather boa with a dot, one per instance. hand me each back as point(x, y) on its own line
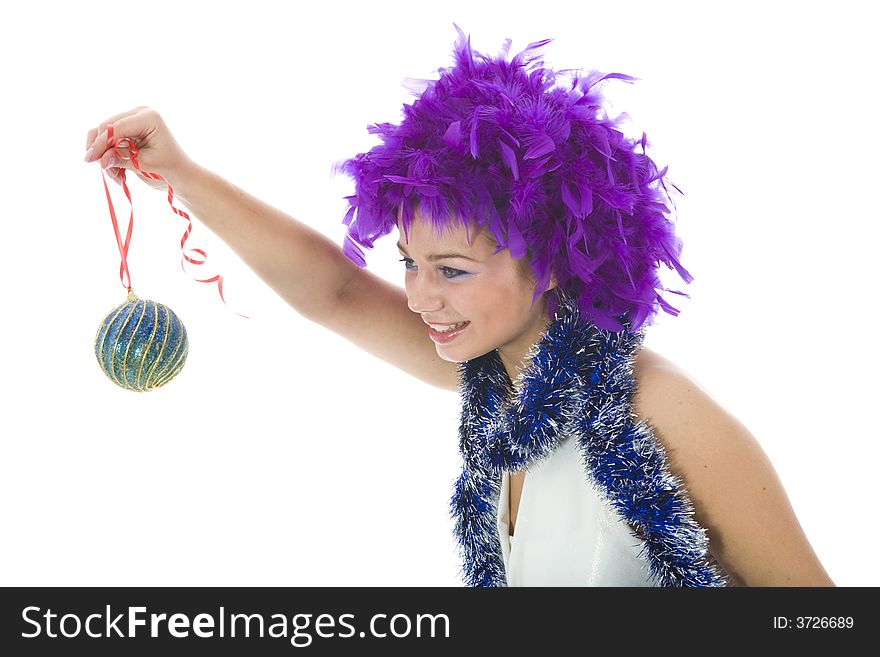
point(579, 380)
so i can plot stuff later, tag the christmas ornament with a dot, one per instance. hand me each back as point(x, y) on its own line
point(141, 345)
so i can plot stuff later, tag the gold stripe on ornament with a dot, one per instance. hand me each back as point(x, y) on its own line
point(168, 366)
point(113, 350)
point(159, 373)
point(178, 361)
point(166, 362)
point(176, 366)
point(131, 339)
point(149, 346)
point(149, 382)
point(118, 310)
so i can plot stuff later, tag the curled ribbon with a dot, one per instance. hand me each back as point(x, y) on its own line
point(124, 274)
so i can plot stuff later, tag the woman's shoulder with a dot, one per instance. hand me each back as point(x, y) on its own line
point(737, 496)
point(663, 390)
point(696, 431)
point(650, 363)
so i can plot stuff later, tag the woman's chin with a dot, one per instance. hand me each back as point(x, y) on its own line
point(445, 354)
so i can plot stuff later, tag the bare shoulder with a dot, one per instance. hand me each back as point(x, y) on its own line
point(737, 495)
point(668, 397)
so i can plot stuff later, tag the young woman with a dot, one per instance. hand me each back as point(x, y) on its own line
point(531, 232)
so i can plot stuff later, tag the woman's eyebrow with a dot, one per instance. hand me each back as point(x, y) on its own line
point(440, 256)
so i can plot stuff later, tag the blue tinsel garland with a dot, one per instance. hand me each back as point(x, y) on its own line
point(579, 381)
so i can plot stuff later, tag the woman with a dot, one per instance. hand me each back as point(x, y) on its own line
point(531, 232)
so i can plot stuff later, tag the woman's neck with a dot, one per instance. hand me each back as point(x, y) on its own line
point(515, 356)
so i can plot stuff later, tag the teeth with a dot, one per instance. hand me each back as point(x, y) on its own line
point(446, 329)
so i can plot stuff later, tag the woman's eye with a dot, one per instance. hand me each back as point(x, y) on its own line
point(448, 272)
point(452, 273)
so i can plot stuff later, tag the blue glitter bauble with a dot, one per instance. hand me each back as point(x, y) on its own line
point(141, 345)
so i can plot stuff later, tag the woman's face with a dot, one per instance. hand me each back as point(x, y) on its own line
point(492, 293)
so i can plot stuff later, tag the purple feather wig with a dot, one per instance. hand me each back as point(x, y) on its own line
point(540, 166)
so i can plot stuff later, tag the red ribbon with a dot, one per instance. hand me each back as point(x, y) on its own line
point(124, 274)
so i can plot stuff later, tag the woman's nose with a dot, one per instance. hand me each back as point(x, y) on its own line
point(423, 295)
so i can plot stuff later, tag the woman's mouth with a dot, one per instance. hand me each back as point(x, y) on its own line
point(447, 333)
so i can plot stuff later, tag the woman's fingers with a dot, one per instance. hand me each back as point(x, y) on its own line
point(121, 155)
point(94, 132)
point(114, 173)
point(141, 129)
point(127, 124)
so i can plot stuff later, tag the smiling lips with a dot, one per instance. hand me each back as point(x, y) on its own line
point(446, 332)
point(443, 328)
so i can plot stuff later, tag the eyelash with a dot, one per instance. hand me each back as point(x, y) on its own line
point(456, 274)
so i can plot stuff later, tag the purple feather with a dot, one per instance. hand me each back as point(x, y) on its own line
point(540, 146)
point(452, 136)
point(569, 199)
point(475, 120)
point(509, 158)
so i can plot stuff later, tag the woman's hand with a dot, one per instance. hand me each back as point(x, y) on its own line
point(158, 152)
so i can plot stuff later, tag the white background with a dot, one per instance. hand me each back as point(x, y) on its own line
point(283, 455)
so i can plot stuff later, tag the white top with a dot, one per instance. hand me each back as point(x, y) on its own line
point(565, 534)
